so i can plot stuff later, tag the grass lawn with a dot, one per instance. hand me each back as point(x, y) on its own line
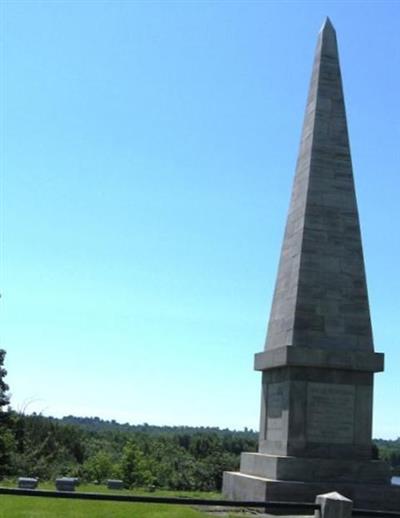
point(102, 488)
point(36, 507)
point(28, 507)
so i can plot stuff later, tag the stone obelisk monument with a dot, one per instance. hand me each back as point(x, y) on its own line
point(319, 360)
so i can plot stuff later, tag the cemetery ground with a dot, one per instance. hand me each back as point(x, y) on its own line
point(34, 507)
point(29, 507)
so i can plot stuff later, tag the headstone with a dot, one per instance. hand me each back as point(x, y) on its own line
point(334, 505)
point(319, 360)
point(115, 484)
point(66, 483)
point(27, 483)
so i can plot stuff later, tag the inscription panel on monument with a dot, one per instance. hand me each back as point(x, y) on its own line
point(275, 407)
point(330, 413)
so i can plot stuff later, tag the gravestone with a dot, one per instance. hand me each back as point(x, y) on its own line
point(333, 505)
point(27, 483)
point(66, 483)
point(115, 484)
point(319, 360)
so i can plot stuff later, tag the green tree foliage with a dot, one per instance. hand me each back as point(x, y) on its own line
point(136, 467)
point(180, 458)
point(390, 452)
point(45, 449)
point(99, 467)
point(7, 438)
point(4, 398)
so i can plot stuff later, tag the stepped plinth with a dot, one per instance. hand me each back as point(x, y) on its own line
point(319, 360)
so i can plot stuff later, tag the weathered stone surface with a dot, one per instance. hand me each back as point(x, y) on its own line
point(66, 483)
point(319, 360)
point(310, 470)
point(320, 298)
point(333, 505)
point(302, 415)
point(330, 413)
point(115, 484)
point(325, 358)
point(27, 483)
point(239, 486)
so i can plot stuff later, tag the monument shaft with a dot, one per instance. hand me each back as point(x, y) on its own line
point(320, 298)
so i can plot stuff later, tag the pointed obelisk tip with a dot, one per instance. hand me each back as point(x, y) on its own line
point(327, 25)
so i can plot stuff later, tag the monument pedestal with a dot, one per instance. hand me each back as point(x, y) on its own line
point(315, 431)
point(314, 405)
point(240, 486)
point(314, 469)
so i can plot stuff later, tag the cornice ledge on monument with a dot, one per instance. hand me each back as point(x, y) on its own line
point(295, 356)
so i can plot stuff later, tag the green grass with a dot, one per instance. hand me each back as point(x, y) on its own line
point(31, 507)
point(37, 507)
point(102, 488)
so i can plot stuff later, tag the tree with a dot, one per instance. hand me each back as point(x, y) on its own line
point(135, 468)
point(99, 467)
point(4, 397)
point(7, 442)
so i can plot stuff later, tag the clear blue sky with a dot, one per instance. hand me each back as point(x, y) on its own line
point(148, 152)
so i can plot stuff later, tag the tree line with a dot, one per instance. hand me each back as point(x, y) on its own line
point(389, 451)
point(42, 447)
point(177, 458)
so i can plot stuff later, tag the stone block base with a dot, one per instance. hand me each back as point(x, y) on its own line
point(238, 486)
point(303, 469)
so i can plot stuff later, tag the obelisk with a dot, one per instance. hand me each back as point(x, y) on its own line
point(319, 360)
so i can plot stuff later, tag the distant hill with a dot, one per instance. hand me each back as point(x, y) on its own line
point(95, 424)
